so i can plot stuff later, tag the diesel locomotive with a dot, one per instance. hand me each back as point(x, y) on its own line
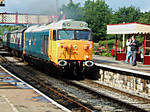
point(66, 43)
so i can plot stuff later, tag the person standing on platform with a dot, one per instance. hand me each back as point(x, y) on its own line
point(128, 51)
point(134, 48)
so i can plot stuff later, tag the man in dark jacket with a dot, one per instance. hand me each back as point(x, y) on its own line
point(134, 48)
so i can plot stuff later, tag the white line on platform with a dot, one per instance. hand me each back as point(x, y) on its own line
point(123, 69)
point(52, 101)
point(12, 106)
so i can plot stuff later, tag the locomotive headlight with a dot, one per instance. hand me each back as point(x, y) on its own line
point(90, 45)
point(87, 57)
point(75, 47)
point(58, 44)
point(68, 24)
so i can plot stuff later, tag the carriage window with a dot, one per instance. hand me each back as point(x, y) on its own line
point(45, 44)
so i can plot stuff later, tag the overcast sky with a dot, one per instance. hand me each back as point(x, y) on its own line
point(40, 6)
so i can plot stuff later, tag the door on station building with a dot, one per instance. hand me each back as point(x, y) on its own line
point(146, 59)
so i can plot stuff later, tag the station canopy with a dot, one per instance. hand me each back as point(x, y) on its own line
point(128, 28)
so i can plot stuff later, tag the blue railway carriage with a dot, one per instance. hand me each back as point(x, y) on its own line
point(16, 42)
point(6, 41)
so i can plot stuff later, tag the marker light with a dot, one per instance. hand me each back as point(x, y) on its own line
point(90, 45)
point(68, 24)
point(81, 25)
point(58, 44)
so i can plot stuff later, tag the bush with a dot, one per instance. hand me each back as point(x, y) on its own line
point(110, 42)
point(106, 54)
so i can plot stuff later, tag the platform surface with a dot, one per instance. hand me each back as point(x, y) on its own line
point(110, 61)
point(17, 96)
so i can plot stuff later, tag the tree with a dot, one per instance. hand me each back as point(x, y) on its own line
point(145, 18)
point(7, 28)
point(97, 15)
point(72, 11)
point(129, 14)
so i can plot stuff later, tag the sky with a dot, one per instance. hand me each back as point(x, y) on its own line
point(49, 6)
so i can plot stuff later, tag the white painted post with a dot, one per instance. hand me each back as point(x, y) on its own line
point(123, 44)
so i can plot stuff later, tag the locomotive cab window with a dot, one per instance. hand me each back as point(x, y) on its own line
point(74, 35)
point(83, 35)
point(66, 34)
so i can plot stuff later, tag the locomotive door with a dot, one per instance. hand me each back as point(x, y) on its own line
point(50, 44)
point(52, 50)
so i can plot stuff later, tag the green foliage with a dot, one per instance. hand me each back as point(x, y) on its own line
point(140, 39)
point(110, 43)
point(145, 18)
point(129, 14)
point(97, 14)
point(107, 42)
point(106, 54)
point(6, 28)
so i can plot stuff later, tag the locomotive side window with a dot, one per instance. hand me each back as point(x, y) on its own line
point(54, 34)
point(45, 44)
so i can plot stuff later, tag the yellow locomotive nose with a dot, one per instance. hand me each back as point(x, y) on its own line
point(74, 50)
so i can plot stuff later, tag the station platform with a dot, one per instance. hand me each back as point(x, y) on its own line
point(18, 96)
point(121, 65)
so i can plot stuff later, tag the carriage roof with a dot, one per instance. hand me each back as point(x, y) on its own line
point(17, 31)
point(63, 24)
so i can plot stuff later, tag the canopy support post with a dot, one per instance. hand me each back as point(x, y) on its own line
point(116, 48)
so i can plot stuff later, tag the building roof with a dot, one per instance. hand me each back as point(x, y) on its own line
point(128, 28)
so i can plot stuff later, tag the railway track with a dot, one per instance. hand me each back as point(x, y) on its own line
point(39, 83)
point(72, 94)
